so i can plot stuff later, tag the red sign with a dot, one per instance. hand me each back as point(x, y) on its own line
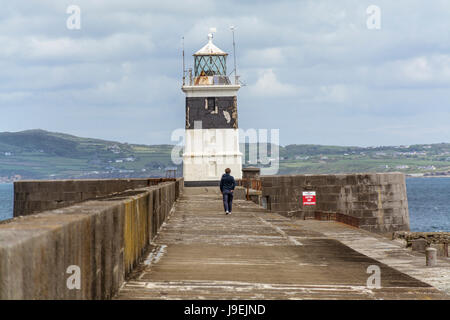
point(309, 198)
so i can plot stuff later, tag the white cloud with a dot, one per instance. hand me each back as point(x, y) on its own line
point(335, 93)
point(67, 50)
point(427, 69)
point(125, 62)
point(266, 56)
point(269, 85)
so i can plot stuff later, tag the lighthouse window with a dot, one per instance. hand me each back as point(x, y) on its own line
point(211, 103)
point(210, 65)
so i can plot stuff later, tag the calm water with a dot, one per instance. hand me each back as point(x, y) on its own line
point(428, 200)
point(429, 203)
point(6, 201)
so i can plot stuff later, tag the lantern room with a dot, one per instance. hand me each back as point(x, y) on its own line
point(210, 65)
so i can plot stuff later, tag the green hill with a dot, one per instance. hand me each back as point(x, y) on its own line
point(39, 154)
point(433, 159)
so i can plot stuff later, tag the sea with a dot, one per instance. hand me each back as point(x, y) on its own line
point(429, 204)
point(6, 200)
point(428, 201)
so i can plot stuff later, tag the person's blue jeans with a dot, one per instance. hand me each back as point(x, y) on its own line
point(227, 200)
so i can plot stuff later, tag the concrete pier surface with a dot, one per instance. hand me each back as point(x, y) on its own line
point(200, 253)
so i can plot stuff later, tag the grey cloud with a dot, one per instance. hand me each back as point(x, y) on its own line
point(312, 68)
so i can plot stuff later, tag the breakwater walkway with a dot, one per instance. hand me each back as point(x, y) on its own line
point(200, 253)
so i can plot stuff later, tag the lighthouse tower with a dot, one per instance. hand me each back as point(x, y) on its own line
point(211, 140)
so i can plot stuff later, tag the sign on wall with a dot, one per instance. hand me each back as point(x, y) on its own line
point(309, 198)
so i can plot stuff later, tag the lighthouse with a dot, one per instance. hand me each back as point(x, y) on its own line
point(211, 136)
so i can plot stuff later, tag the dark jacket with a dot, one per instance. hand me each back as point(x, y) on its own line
point(227, 182)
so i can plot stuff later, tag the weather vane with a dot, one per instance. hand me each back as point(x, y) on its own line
point(211, 33)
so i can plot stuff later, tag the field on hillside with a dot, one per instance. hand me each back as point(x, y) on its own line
point(38, 154)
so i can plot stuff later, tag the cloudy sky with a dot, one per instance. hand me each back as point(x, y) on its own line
point(312, 69)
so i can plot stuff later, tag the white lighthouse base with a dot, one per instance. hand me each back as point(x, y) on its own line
point(208, 152)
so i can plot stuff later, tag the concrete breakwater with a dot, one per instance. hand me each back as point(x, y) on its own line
point(376, 202)
point(104, 230)
point(103, 238)
point(32, 196)
point(201, 253)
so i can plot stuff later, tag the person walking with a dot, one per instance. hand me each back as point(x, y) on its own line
point(227, 185)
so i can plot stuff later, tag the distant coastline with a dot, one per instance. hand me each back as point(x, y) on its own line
point(421, 175)
point(44, 155)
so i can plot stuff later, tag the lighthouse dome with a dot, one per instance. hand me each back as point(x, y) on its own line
point(210, 49)
point(210, 61)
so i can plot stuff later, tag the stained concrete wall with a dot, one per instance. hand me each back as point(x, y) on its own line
point(104, 237)
point(33, 196)
point(213, 112)
point(208, 152)
point(378, 200)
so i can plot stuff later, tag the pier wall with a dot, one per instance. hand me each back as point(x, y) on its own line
point(419, 241)
point(33, 196)
point(103, 239)
point(378, 201)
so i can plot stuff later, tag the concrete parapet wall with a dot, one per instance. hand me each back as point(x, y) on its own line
point(377, 200)
point(105, 238)
point(421, 240)
point(33, 196)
